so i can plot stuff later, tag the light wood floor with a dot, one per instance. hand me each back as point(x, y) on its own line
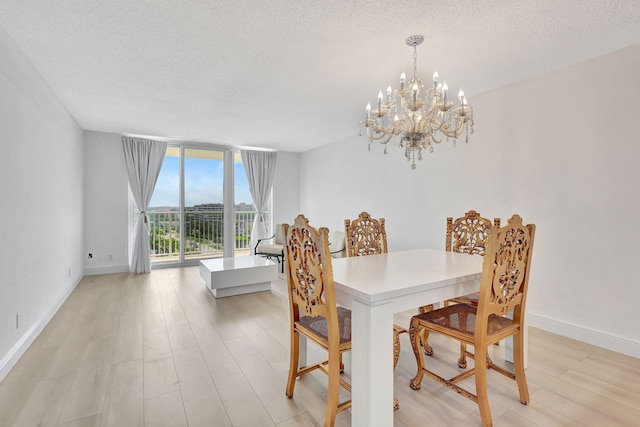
point(159, 350)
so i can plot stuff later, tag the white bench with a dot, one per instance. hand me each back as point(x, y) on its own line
point(234, 276)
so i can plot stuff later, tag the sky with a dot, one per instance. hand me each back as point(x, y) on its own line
point(203, 182)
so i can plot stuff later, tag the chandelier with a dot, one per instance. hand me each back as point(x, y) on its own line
point(414, 117)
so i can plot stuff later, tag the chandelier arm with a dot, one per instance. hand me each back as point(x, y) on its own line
point(400, 126)
point(394, 127)
point(382, 138)
point(433, 110)
point(436, 126)
point(446, 134)
point(456, 131)
point(435, 139)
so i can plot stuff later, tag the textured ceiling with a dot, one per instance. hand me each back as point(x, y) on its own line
point(290, 75)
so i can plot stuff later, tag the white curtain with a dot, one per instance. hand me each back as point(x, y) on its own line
point(260, 167)
point(144, 159)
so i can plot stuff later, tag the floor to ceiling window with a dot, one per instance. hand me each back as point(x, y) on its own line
point(201, 206)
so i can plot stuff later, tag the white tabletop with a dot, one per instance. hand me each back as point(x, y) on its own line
point(375, 278)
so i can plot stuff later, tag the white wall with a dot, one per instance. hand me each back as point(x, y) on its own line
point(561, 150)
point(41, 199)
point(106, 203)
point(286, 188)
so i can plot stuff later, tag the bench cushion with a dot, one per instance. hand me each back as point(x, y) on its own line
point(270, 249)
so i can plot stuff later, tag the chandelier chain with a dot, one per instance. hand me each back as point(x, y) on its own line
point(415, 62)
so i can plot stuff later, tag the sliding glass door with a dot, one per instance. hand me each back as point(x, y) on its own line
point(164, 210)
point(203, 203)
point(201, 206)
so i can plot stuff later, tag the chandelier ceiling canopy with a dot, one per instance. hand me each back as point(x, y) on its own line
point(415, 117)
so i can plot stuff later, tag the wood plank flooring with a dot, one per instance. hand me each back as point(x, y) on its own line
point(159, 350)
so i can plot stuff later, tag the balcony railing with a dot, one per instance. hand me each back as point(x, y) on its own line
point(203, 234)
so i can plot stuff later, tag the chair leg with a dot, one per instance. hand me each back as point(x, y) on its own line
point(396, 348)
point(424, 336)
point(481, 385)
point(462, 361)
point(333, 388)
point(415, 336)
point(424, 340)
point(518, 366)
point(293, 363)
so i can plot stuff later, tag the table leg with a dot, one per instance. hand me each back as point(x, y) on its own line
point(371, 365)
point(302, 352)
point(508, 344)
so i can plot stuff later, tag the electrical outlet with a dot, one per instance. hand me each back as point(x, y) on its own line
point(90, 255)
point(69, 272)
point(110, 257)
point(18, 318)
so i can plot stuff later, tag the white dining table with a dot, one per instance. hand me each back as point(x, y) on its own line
point(375, 287)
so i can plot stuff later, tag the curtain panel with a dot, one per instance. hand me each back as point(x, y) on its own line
point(144, 159)
point(259, 166)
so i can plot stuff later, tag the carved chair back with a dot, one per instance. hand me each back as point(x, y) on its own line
point(309, 272)
point(469, 233)
point(365, 235)
point(505, 273)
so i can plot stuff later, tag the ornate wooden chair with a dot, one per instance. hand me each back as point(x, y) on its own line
point(313, 309)
point(505, 278)
point(368, 236)
point(365, 235)
point(468, 235)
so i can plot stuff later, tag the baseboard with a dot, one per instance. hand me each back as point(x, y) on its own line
point(106, 269)
point(589, 336)
point(11, 358)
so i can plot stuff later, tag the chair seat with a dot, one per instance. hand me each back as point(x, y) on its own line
point(318, 325)
point(460, 319)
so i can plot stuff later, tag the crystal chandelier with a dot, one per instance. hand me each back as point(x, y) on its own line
point(414, 117)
